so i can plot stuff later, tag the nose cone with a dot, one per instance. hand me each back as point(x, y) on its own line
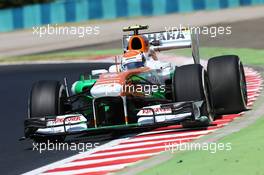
point(106, 90)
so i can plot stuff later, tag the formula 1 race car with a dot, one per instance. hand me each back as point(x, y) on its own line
point(140, 91)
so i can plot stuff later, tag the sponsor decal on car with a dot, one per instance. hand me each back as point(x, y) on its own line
point(156, 109)
point(72, 119)
point(68, 119)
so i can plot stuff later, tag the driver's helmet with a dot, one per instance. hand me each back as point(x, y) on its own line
point(132, 59)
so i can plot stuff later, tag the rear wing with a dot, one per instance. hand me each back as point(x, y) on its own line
point(171, 39)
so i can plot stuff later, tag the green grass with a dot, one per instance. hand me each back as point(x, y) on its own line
point(248, 56)
point(63, 55)
point(245, 157)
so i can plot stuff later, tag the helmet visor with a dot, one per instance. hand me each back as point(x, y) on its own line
point(133, 65)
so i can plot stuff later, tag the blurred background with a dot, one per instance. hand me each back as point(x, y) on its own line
point(17, 17)
point(20, 14)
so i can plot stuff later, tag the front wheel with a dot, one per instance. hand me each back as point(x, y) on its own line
point(190, 83)
point(46, 99)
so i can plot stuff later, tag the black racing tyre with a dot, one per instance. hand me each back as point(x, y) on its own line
point(190, 83)
point(228, 84)
point(46, 99)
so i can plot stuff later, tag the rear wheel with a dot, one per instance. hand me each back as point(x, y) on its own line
point(46, 99)
point(227, 79)
point(190, 83)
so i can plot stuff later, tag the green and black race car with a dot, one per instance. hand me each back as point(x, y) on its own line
point(140, 91)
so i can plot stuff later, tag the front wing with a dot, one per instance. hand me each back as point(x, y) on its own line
point(148, 118)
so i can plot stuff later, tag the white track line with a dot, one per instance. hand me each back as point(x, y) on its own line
point(253, 90)
point(131, 145)
point(169, 130)
point(168, 136)
point(113, 151)
point(87, 162)
point(91, 170)
point(161, 131)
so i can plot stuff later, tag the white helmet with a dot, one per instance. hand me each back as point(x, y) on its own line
point(132, 59)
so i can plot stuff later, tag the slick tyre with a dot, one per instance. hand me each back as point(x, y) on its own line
point(190, 83)
point(46, 99)
point(228, 84)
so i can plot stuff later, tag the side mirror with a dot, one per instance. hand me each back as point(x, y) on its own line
point(114, 68)
point(99, 71)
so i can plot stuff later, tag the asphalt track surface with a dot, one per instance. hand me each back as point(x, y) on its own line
point(17, 157)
